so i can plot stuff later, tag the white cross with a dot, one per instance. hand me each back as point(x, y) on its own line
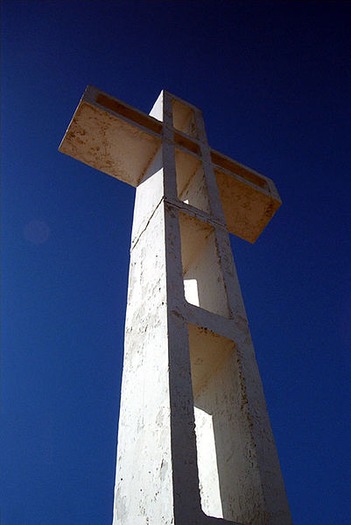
point(195, 445)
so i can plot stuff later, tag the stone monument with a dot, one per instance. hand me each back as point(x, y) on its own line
point(195, 445)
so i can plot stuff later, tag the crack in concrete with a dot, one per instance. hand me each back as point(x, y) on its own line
point(147, 224)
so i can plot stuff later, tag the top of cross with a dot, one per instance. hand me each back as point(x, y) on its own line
point(119, 140)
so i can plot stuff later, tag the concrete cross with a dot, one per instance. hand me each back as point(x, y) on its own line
point(195, 445)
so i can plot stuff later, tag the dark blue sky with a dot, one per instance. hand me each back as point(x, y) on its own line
point(274, 82)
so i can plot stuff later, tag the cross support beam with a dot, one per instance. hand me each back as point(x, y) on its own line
point(195, 445)
point(121, 141)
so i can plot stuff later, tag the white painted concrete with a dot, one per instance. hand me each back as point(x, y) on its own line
point(195, 446)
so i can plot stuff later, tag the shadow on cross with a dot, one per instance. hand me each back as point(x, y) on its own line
point(218, 411)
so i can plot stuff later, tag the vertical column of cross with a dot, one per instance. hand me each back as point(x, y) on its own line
point(211, 343)
point(222, 469)
point(185, 224)
point(214, 380)
point(242, 480)
point(144, 486)
point(187, 508)
point(240, 496)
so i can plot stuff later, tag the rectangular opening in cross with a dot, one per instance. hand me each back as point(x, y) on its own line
point(202, 272)
point(191, 184)
point(213, 361)
point(184, 118)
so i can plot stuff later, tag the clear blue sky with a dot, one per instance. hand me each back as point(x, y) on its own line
point(273, 81)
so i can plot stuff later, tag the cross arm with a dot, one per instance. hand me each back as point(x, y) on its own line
point(112, 137)
point(119, 140)
point(249, 200)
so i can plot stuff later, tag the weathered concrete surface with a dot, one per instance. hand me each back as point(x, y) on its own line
point(195, 446)
point(144, 489)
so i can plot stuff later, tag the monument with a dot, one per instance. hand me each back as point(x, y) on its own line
point(195, 445)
